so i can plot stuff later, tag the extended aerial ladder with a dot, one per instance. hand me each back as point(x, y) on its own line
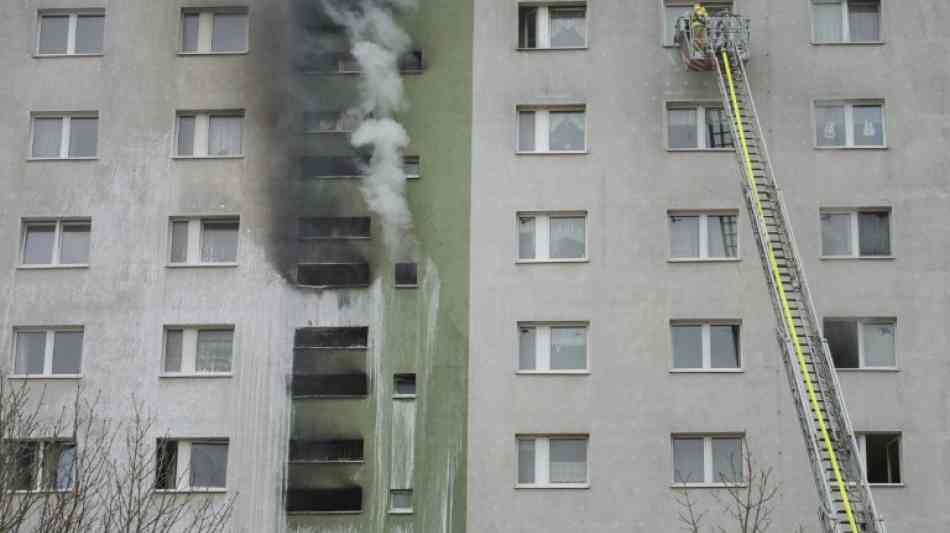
point(721, 43)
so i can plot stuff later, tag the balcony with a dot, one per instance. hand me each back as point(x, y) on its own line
point(329, 500)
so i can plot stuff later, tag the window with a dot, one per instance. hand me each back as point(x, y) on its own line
point(701, 236)
point(705, 345)
point(209, 134)
point(858, 124)
point(183, 465)
point(412, 166)
point(400, 500)
point(65, 135)
point(847, 21)
point(559, 129)
point(552, 26)
point(698, 127)
point(203, 241)
point(862, 343)
point(198, 350)
point(48, 352)
point(674, 9)
point(856, 233)
point(881, 457)
point(552, 461)
point(704, 460)
point(70, 33)
point(552, 237)
point(40, 465)
point(56, 242)
point(406, 275)
point(556, 347)
point(404, 385)
point(214, 31)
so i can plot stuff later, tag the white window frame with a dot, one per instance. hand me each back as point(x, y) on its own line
point(543, 28)
point(73, 15)
point(542, 128)
point(708, 472)
point(542, 461)
point(202, 133)
point(855, 234)
point(189, 350)
point(861, 437)
point(860, 341)
point(542, 345)
point(846, 26)
point(65, 129)
point(706, 329)
point(206, 29)
point(183, 465)
point(55, 261)
point(402, 510)
point(50, 332)
point(702, 140)
point(39, 468)
point(704, 256)
point(542, 236)
point(849, 105)
point(195, 237)
point(666, 35)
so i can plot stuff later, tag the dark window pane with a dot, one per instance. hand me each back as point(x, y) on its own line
point(38, 245)
point(230, 33)
point(30, 352)
point(74, 248)
point(179, 248)
point(683, 128)
point(874, 233)
point(219, 240)
point(24, 457)
point(688, 460)
point(687, 346)
point(718, 131)
point(864, 19)
point(527, 348)
point(209, 463)
point(83, 136)
point(407, 274)
point(526, 461)
point(335, 228)
point(723, 235)
point(868, 125)
point(47, 136)
point(166, 465)
point(842, 338)
point(89, 32)
point(724, 346)
point(829, 121)
point(54, 32)
point(528, 27)
point(189, 32)
point(404, 383)
point(186, 135)
point(67, 352)
point(224, 135)
point(173, 342)
point(883, 458)
point(58, 465)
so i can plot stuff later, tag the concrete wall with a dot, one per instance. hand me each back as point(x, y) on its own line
point(630, 403)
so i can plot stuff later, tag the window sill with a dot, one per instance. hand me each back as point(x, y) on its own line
point(887, 485)
point(415, 286)
point(884, 370)
point(53, 267)
point(550, 261)
point(404, 396)
point(45, 56)
point(555, 152)
point(205, 157)
point(553, 49)
point(201, 265)
point(704, 260)
point(706, 485)
point(402, 512)
point(857, 258)
point(192, 491)
point(44, 377)
point(552, 372)
point(692, 150)
point(847, 43)
point(207, 375)
point(292, 513)
point(32, 491)
point(872, 148)
point(557, 486)
point(238, 53)
point(706, 371)
point(38, 159)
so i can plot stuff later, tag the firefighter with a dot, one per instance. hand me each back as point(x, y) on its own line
point(697, 27)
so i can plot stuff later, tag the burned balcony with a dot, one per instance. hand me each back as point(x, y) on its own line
point(349, 385)
point(341, 451)
point(333, 252)
point(342, 338)
point(330, 362)
point(331, 500)
point(327, 275)
point(343, 62)
point(334, 167)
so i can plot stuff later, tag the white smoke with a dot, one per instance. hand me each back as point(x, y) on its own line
point(378, 42)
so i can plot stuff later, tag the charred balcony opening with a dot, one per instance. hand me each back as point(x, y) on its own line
point(330, 363)
point(339, 451)
point(325, 500)
point(328, 275)
point(348, 338)
point(334, 167)
point(329, 62)
point(333, 251)
point(701, 39)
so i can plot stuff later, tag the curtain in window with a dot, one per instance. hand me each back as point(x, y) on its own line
point(54, 33)
point(878, 345)
point(74, 248)
point(688, 463)
point(874, 233)
point(229, 33)
point(58, 465)
point(868, 125)
point(173, 344)
point(828, 22)
point(38, 248)
point(567, 237)
point(567, 131)
point(835, 234)
point(568, 348)
point(214, 351)
point(224, 136)
point(687, 346)
point(209, 463)
point(527, 348)
point(526, 238)
point(568, 27)
point(219, 242)
point(67, 352)
point(723, 235)
point(829, 121)
point(568, 460)
point(683, 128)
point(83, 136)
point(684, 232)
point(526, 131)
point(526, 461)
point(89, 31)
point(727, 460)
point(189, 32)
point(47, 135)
point(864, 20)
point(30, 352)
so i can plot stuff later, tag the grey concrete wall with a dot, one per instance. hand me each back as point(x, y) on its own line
point(630, 403)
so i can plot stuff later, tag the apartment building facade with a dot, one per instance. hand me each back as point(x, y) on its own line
point(622, 342)
point(176, 236)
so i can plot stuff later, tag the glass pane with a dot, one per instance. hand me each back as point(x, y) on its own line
point(224, 136)
point(54, 32)
point(83, 137)
point(727, 459)
point(526, 461)
point(724, 346)
point(723, 235)
point(404, 384)
point(683, 128)
point(568, 348)
point(567, 131)
point(835, 234)
point(718, 131)
point(410, 166)
point(67, 352)
point(874, 233)
point(209, 463)
point(688, 464)
point(878, 345)
point(400, 500)
point(828, 22)
point(58, 465)
point(47, 136)
point(89, 31)
point(189, 33)
point(30, 352)
point(214, 350)
point(166, 464)
point(526, 241)
point(24, 462)
point(673, 13)
point(829, 122)
point(230, 33)
point(864, 20)
point(526, 131)
point(568, 460)
point(842, 338)
point(527, 27)
point(74, 248)
point(186, 135)
point(568, 236)
point(868, 125)
point(38, 244)
point(684, 236)
point(527, 349)
point(219, 242)
point(173, 341)
point(568, 27)
point(687, 346)
point(883, 457)
point(179, 253)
